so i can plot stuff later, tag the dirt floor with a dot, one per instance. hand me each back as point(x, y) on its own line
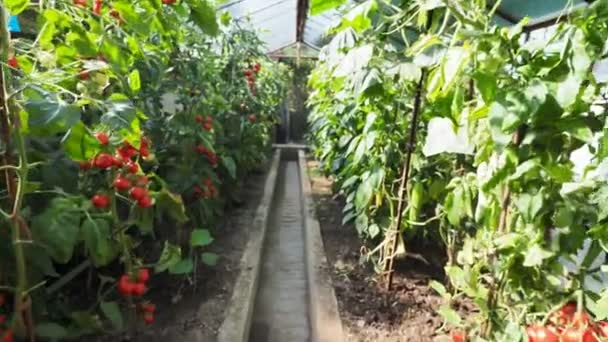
point(185, 313)
point(369, 313)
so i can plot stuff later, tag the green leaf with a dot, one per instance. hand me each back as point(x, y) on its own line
point(567, 91)
point(112, 311)
point(79, 145)
point(200, 238)
point(170, 256)
point(51, 115)
point(209, 259)
point(230, 166)
point(535, 255)
point(134, 81)
point(51, 331)
point(203, 14)
point(172, 205)
point(119, 115)
point(449, 315)
point(97, 239)
point(16, 6)
point(56, 229)
point(184, 266)
point(320, 6)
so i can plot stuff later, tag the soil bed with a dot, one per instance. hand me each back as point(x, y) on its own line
point(369, 313)
point(188, 314)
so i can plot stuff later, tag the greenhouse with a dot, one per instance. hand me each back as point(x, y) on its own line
point(304, 170)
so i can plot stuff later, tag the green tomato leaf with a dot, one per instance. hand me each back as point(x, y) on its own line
point(79, 145)
point(134, 81)
point(170, 256)
point(320, 6)
point(112, 311)
point(203, 15)
point(57, 228)
point(100, 247)
point(184, 266)
point(210, 259)
point(16, 6)
point(51, 331)
point(535, 255)
point(200, 238)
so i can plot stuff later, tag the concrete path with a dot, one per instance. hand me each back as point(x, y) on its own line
point(281, 309)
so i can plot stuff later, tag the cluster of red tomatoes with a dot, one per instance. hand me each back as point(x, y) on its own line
point(207, 122)
point(250, 76)
point(568, 325)
point(148, 310)
point(5, 335)
point(207, 153)
point(565, 325)
point(135, 285)
point(127, 178)
point(207, 191)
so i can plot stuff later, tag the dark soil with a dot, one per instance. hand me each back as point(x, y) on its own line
point(369, 313)
point(191, 310)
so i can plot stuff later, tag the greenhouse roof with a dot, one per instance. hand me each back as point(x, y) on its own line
point(283, 23)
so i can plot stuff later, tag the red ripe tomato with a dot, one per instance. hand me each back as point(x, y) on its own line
point(139, 289)
point(602, 327)
point(145, 202)
point(102, 138)
point(257, 67)
point(133, 167)
point(209, 119)
point(80, 2)
point(148, 307)
point(252, 118)
point(148, 316)
point(100, 201)
point(199, 118)
point(581, 320)
point(8, 336)
point(248, 73)
point(125, 286)
point(104, 161)
point(13, 62)
point(144, 151)
point(459, 336)
point(143, 180)
point(137, 193)
point(143, 275)
point(84, 75)
point(201, 149)
point(539, 333)
point(97, 7)
point(578, 335)
point(127, 151)
point(168, 2)
point(207, 126)
point(121, 183)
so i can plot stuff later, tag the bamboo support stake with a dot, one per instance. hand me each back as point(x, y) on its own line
point(405, 175)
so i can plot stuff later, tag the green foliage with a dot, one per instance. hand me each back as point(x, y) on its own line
point(496, 171)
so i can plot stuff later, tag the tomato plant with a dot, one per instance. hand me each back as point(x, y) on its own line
point(100, 124)
point(439, 125)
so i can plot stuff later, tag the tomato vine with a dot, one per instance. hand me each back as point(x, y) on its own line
point(124, 124)
point(508, 174)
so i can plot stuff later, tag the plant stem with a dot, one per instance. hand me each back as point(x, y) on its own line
point(16, 185)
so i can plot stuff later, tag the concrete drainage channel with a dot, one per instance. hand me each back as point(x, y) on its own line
point(284, 292)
